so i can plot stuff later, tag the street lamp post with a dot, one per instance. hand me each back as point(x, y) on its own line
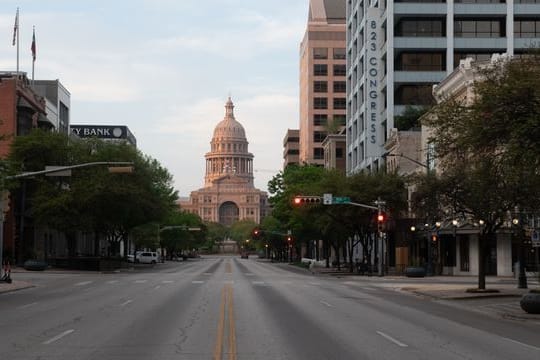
point(522, 277)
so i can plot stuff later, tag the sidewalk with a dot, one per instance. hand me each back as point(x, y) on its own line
point(14, 286)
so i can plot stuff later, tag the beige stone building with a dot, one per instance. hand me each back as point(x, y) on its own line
point(228, 194)
point(291, 146)
point(322, 77)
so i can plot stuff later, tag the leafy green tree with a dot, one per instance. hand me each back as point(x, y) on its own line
point(410, 118)
point(92, 199)
point(488, 150)
point(241, 231)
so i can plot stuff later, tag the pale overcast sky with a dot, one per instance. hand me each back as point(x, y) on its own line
point(165, 69)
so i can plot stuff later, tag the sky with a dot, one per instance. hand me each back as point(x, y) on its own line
point(165, 69)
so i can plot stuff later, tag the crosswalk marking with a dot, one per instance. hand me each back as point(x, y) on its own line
point(197, 282)
point(82, 283)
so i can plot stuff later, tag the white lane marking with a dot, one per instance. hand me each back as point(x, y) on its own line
point(523, 344)
point(157, 287)
point(167, 281)
point(27, 305)
point(249, 274)
point(257, 282)
point(314, 283)
point(58, 337)
point(140, 281)
point(327, 304)
point(208, 274)
point(82, 283)
point(228, 282)
point(125, 303)
point(388, 337)
point(112, 281)
point(197, 282)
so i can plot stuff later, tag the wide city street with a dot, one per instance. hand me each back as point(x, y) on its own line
point(221, 307)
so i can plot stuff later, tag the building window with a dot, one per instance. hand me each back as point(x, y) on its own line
point(481, 1)
point(479, 28)
point(339, 153)
point(527, 28)
point(319, 136)
point(414, 95)
point(340, 103)
point(320, 103)
point(293, 152)
point(320, 119)
point(340, 86)
point(340, 70)
point(320, 53)
point(526, 1)
point(339, 53)
point(421, 62)
point(318, 153)
point(420, 28)
point(320, 69)
point(477, 57)
point(320, 86)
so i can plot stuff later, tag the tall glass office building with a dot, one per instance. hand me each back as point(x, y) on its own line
point(396, 51)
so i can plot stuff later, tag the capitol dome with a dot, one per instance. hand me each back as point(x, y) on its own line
point(229, 128)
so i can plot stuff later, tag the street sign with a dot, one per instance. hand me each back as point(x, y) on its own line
point(327, 199)
point(341, 200)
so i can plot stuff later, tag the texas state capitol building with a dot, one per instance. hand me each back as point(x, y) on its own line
point(228, 194)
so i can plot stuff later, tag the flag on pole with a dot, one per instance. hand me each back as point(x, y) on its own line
point(16, 27)
point(33, 47)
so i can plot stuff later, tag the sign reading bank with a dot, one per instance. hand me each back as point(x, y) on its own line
point(109, 132)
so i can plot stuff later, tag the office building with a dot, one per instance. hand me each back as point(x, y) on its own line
point(291, 148)
point(322, 78)
point(57, 102)
point(397, 51)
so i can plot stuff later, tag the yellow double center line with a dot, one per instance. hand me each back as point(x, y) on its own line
point(226, 315)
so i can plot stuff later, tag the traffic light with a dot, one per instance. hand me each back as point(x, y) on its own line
point(306, 200)
point(381, 219)
point(256, 233)
point(434, 238)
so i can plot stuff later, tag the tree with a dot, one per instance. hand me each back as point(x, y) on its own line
point(487, 149)
point(92, 199)
point(410, 118)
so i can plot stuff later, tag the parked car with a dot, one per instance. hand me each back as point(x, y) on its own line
point(147, 257)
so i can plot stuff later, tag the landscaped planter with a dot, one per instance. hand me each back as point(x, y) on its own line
point(415, 271)
point(530, 302)
point(35, 265)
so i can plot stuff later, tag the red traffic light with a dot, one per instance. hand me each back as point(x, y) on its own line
point(304, 200)
point(380, 218)
point(434, 238)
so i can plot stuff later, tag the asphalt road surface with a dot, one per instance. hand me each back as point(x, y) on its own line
point(232, 308)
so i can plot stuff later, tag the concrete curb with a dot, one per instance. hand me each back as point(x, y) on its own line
point(14, 286)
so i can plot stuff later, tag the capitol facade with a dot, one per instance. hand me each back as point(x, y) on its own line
point(228, 194)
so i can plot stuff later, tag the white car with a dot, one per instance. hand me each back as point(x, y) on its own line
point(147, 257)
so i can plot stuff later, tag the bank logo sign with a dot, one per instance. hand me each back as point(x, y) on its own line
point(103, 132)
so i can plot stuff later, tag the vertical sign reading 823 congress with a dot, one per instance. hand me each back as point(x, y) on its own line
point(373, 74)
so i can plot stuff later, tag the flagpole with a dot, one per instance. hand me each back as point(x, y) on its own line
point(33, 52)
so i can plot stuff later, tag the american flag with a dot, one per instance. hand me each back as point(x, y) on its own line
point(16, 27)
